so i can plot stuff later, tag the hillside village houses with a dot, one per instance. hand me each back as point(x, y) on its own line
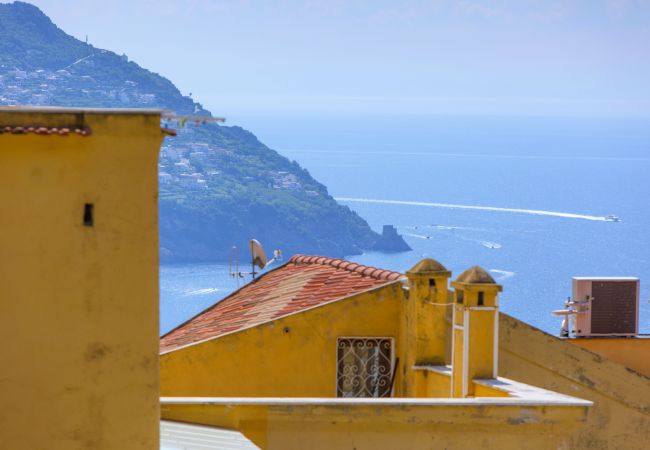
point(187, 176)
point(37, 87)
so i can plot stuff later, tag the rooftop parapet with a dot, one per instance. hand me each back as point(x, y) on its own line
point(541, 419)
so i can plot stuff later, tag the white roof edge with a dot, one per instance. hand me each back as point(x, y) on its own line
point(73, 110)
point(558, 400)
point(606, 278)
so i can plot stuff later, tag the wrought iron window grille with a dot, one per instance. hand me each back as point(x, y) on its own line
point(364, 367)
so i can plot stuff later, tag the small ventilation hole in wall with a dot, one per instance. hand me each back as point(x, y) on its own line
point(89, 218)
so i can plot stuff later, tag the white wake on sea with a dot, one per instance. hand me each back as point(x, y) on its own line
point(201, 292)
point(419, 236)
point(454, 227)
point(486, 244)
point(503, 274)
point(489, 244)
point(535, 212)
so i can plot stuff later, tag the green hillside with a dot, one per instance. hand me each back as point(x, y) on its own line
point(219, 185)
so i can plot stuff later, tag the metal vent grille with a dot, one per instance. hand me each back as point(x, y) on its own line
point(613, 308)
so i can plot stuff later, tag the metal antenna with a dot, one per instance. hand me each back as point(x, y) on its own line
point(234, 254)
point(258, 258)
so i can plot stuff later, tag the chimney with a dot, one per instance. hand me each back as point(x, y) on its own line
point(475, 334)
point(426, 312)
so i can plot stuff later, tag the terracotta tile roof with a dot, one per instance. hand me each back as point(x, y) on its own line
point(45, 131)
point(301, 283)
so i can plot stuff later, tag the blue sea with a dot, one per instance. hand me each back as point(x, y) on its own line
point(523, 197)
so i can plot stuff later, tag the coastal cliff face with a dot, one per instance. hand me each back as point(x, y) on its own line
point(219, 186)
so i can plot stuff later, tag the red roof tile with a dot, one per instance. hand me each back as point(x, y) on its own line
point(62, 131)
point(301, 283)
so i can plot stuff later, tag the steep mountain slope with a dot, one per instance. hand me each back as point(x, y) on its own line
point(219, 185)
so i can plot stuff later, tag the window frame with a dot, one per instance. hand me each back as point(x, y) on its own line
point(336, 361)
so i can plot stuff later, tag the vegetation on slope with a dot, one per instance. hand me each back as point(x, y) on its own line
point(219, 185)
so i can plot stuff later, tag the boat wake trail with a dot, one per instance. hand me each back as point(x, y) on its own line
point(503, 274)
point(489, 244)
point(201, 292)
point(534, 212)
point(419, 236)
point(486, 244)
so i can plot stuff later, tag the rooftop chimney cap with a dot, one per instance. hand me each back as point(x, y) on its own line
point(428, 266)
point(475, 275)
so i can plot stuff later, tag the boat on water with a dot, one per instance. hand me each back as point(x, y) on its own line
point(612, 218)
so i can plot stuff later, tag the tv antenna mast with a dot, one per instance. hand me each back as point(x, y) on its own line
point(169, 119)
point(258, 259)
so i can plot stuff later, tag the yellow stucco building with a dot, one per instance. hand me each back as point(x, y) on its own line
point(325, 353)
point(79, 278)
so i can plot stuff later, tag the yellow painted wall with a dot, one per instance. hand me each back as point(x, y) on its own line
point(487, 391)
point(79, 305)
point(397, 425)
point(630, 352)
point(620, 416)
point(293, 356)
point(481, 340)
point(432, 384)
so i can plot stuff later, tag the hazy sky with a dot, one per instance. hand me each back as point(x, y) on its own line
point(566, 57)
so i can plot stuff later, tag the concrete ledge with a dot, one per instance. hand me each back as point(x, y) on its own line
point(442, 370)
point(541, 398)
point(527, 393)
point(390, 423)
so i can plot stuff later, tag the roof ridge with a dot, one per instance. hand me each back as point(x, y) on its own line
point(338, 263)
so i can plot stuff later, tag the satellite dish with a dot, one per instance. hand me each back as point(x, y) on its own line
point(257, 254)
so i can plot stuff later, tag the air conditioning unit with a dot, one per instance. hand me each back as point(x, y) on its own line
point(605, 306)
